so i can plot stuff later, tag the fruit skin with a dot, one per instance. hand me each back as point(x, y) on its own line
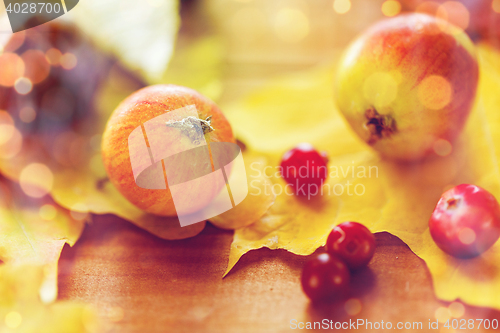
point(304, 168)
point(353, 243)
point(135, 110)
point(407, 82)
point(466, 221)
point(325, 278)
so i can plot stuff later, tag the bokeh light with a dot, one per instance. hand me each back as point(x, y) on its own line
point(442, 147)
point(457, 309)
point(341, 6)
point(291, 25)
point(36, 180)
point(442, 314)
point(27, 114)
point(495, 5)
point(47, 212)
point(435, 92)
point(53, 56)
point(23, 86)
point(353, 306)
point(37, 67)
point(391, 8)
point(12, 146)
point(13, 319)
point(455, 13)
point(380, 89)
point(12, 69)
point(467, 236)
point(6, 127)
point(68, 61)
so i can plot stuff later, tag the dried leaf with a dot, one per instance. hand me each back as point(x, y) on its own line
point(258, 200)
point(83, 191)
point(27, 238)
point(385, 196)
point(22, 311)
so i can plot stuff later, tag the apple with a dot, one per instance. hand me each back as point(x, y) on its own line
point(407, 85)
point(133, 113)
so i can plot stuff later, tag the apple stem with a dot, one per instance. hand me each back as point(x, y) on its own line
point(453, 203)
point(379, 126)
point(193, 127)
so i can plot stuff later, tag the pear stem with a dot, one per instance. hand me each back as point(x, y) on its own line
point(193, 127)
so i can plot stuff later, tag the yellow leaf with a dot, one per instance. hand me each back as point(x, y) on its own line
point(82, 191)
point(258, 200)
point(385, 196)
point(28, 236)
point(22, 311)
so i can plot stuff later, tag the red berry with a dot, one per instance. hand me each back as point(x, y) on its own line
point(466, 221)
point(304, 169)
point(353, 243)
point(325, 277)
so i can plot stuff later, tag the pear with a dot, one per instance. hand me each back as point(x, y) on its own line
point(407, 85)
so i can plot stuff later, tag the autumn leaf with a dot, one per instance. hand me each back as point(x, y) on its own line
point(101, 197)
point(22, 311)
point(257, 201)
point(383, 195)
point(33, 232)
point(145, 43)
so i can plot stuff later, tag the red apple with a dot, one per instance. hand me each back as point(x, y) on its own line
point(119, 151)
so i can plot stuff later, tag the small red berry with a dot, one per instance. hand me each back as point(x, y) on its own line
point(325, 277)
point(466, 221)
point(353, 243)
point(305, 169)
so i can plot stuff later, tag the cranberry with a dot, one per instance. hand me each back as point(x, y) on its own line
point(304, 169)
point(466, 221)
point(325, 277)
point(353, 243)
